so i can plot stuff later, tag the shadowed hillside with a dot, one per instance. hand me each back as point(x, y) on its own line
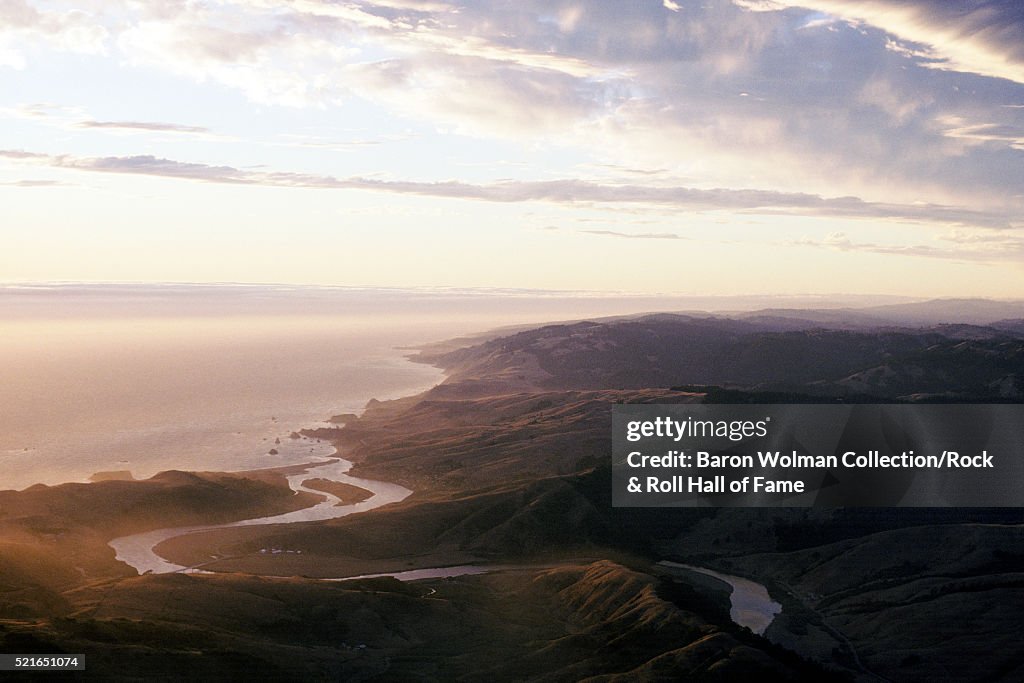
point(967, 362)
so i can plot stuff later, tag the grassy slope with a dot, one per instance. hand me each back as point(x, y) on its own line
point(569, 623)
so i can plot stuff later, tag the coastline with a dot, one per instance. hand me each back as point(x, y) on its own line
point(245, 409)
point(139, 550)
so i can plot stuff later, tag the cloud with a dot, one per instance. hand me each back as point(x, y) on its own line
point(899, 104)
point(23, 155)
point(858, 118)
point(41, 111)
point(822, 96)
point(69, 29)
point(72, 118)
point(984, 37)
point(567, 191)
point(988, 249)
point(992, 134)
point(465, 92)
point(150, 126)
point(303, 53)
point(35, 183)
point(635, 236)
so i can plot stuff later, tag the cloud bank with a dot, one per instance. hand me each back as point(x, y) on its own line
point(888, 99)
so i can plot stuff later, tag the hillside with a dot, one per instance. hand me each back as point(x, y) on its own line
point(969, 362)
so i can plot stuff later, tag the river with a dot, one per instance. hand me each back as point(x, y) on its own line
point(751, 605)
point(137, 550)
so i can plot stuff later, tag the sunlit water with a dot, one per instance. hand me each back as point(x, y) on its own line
point(83, 396)
point(145, 378)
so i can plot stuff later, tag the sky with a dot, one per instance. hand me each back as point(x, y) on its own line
point(716, 147)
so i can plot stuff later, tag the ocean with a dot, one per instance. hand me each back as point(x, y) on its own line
point(146, 378)
point(149, 377)
point(82, 395)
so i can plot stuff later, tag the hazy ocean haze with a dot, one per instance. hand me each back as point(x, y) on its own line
point(146, 378)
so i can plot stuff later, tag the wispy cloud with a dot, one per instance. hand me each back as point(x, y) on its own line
point(148, 126)
point(989, 249)
point(568, 191)
point(77, 118)
point(34, 183)
point(994, 134)
point(23, 155)
point(634, 236)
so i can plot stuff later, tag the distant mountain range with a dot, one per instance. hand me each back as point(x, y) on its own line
point(907, 352)
point(918, 314)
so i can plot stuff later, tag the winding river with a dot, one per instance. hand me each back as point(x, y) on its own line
point(137, 550)
point(751, 605)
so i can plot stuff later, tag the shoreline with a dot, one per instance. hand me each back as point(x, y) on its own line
point(231, 432)
point(139, 550)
